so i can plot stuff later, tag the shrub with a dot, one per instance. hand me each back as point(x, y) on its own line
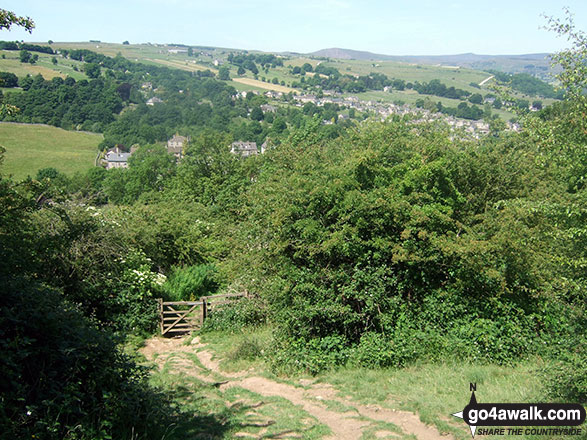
point(248, 349)
point(191, 282)
point(373, 351)
point(63, 378)
point(565, 378)
point(236, 315)
point(311, 356)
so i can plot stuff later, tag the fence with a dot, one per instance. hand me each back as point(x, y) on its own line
point(186, 316)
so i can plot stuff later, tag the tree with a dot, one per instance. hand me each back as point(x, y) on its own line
point(279, 124)
point(8, 79)
point(92, 70)
point(8, 18)
point(240, 70)
point(476, 99)
point(257, 114)
point(25, 56)
point(224, 73)
point(126, 43)
point(54, 61)
point(124, 90)
point(573, 61)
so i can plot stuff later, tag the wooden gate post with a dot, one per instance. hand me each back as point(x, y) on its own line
point(160, 300)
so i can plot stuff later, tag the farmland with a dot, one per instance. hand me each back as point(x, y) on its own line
point(273, 77)
point(44, 66)
point(31, 147)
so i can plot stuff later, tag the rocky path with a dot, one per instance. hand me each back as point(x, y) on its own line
point(348, 424)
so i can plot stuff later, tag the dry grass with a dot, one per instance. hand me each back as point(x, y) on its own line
point(184, 65)
point(264, 85)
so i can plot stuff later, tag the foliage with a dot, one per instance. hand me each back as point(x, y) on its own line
point(190, 283)
point(8, 79)
point(436, 87)
point(81, 251)
point(399, 231)
point(66, 103)
point(62, 378)
point(8, 19)
point(564, 377)
point(236, 315)
point(15, 45)
point(527, 84)
point(149, 168)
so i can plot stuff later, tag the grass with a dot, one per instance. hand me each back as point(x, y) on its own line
point(44, 66)
point(240, 351)
point(205, 411)
point(433, 391)
point(264, 85)
point(459, 78)
point(189, 66)
point(31, 147)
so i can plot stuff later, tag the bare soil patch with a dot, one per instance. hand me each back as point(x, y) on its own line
point(347, 425)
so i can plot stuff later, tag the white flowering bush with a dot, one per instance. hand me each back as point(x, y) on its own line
point(135, 292)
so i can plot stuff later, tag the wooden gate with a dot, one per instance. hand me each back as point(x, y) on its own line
point(185, 316)
point(180, 316)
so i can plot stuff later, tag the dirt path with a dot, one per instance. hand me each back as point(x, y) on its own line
point(313, 398)
point(486, 79)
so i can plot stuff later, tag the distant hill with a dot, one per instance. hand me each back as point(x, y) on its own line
point(349, 54)
point(536, 63)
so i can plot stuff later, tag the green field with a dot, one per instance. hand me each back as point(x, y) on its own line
point(30, 148)
point(64, 67)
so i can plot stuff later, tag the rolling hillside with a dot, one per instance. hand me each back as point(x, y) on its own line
point(31, 147)
point(535, 64)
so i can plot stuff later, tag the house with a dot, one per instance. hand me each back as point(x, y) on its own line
point(176, 145)
point(154, 101)
point(267, 108)
point(244, 149)
point(116, 158)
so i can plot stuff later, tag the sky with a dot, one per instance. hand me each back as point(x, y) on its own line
point(392, 27)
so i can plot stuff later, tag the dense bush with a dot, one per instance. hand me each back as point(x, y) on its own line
point(82, 251)
point(64, 379)
point(399, 241)
point(565, 377)
point(236, 315)
point(191, 283)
